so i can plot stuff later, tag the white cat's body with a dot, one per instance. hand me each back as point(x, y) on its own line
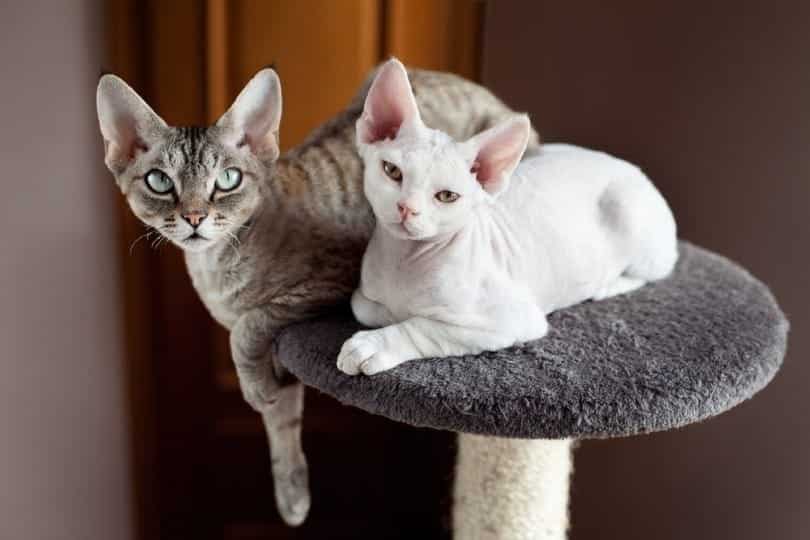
point(567, 225)
point(572, 221)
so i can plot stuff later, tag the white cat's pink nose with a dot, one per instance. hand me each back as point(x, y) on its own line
point(405, 211)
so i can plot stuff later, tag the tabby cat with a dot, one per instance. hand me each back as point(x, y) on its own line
point(268, 240)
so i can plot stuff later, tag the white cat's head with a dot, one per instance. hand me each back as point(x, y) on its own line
point(420, 182)
point(196, 186)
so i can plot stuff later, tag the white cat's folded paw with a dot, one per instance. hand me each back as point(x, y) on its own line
point(364, 353)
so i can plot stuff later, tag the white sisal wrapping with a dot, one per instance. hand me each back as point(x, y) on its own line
point(511, 489)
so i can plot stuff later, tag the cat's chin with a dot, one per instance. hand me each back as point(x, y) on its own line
point(402, 232)
point(195, 243)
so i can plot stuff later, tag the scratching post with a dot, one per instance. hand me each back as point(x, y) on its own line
point(511, 489)
point(671, 353)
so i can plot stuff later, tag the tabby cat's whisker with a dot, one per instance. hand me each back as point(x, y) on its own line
point(156, 243)
point(146, 235)
point(235, 240)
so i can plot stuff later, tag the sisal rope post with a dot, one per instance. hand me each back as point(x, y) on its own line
point(511, 489)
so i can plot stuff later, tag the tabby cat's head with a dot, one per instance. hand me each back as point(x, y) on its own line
point(195, 186)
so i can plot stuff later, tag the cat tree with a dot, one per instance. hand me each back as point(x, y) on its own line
point(669, 354)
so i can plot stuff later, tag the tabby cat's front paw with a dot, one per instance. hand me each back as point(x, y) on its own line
point(364, 353)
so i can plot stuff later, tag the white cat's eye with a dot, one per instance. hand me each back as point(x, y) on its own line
point(159, 182)
point(446, 196)
point(392, 171)
point(229, 179)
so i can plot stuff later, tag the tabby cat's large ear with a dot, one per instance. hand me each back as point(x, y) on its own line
point(498, 151)
point(389, 104)
point(253, 119)
point(127, 123)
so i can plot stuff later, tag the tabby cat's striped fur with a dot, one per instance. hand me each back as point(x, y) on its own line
point(290, 242)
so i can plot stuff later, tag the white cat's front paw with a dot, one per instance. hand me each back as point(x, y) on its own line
point(364, 353)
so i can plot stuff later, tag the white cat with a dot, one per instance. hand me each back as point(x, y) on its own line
point(473, 247)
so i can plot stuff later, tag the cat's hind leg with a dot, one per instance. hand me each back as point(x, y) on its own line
point(279, 398)
point(282, 423)
point(621, 285)
point(641, 229)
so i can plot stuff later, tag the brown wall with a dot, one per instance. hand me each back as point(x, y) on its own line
point(64, 467)
point(712, 99)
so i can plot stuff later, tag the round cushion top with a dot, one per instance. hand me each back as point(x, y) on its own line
point(668, 354)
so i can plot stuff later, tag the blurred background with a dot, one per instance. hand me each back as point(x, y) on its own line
point(120, 416)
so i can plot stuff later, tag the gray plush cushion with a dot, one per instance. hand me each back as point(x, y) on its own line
point(671, 353)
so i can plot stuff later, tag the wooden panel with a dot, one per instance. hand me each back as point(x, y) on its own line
point(124, 22)
point(435, 34)
point(322, 50)
point(216, 21)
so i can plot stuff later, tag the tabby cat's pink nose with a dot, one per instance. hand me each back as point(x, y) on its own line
point(195, 217)
point(405, 211)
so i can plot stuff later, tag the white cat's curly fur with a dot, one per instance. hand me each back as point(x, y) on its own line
point(480, 269)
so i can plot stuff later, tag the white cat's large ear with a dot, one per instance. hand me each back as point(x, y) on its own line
point(497, 151)
point(389, 104)
point(255, 115)
point(128, 125)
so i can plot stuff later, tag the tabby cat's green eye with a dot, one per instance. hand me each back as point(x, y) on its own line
point(229, 179)
point(446, 196)
point(159, 182)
